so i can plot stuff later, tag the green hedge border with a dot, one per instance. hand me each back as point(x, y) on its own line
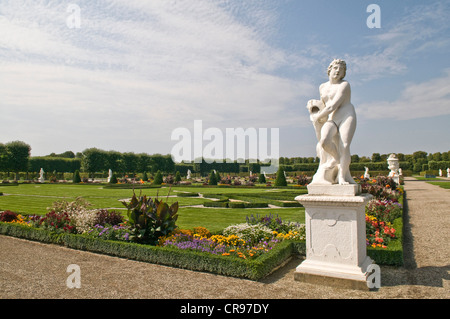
point(255, 269)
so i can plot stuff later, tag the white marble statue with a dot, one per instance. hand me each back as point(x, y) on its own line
point(440, 172)
point(109, 175)
point(41, 175)
point(366, 173)
point(448, 172)
point(188, 174)
point(334, 120)
point(393, 165)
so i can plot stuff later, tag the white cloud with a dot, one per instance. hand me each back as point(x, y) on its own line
point(421, 28)
point(421, 100)
point(136, 70)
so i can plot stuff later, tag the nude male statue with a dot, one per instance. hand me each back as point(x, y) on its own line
point(334, 119)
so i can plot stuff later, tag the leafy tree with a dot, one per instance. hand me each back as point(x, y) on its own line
point(18, 155)
point(94, 160)
point(376, 157)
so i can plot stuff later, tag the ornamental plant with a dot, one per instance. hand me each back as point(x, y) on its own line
point(281, 179)
point(384, 210)
point(275, 223)
point(110, 232)
point(212, 179)
point(251, 234)
point(57, 222)
point(379, 233)
point(158, 178)
point(150, 219)
point(8, 216)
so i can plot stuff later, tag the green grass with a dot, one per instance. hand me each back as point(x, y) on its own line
point(445, 185)
point(35, 199)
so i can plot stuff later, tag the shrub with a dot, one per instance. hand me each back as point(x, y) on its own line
point(281, 179)
point(212, 178)
point(303, 180)
point(8, 216)
point(262, 178)
point(177, 177)
point(151, 219)
point(76, 177)
point(113, 179)
point(158, 178)
point(81, 217)
point(57, 222)
point(105, 217)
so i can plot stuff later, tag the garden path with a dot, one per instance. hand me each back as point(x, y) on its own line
point(35, 270)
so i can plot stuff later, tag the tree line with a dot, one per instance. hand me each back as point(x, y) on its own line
point(15, 157)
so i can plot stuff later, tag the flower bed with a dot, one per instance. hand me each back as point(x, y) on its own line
point(248, 250)
point(384, 220)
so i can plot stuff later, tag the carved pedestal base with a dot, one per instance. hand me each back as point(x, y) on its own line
point(335, 238)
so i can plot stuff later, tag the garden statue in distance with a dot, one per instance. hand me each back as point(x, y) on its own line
point(109, 176)
point(41, 176)
point(334, 120)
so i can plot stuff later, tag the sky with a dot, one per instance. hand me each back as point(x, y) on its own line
point(124, 74)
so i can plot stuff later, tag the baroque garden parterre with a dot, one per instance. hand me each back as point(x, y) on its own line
point(168, 222)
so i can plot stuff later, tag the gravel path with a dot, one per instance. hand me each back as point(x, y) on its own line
point(35, 270)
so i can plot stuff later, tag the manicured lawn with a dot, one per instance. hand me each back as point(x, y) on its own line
point(35, 199)
point(445, 185)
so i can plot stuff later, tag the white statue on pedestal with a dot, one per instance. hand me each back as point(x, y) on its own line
point(440, 172)
point(109, 175)
point(393, 165)
point(366, 173)
point(448, 172)
point(41, 176)
point(334, 119)
point(188, 174)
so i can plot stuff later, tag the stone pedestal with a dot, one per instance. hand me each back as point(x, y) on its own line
point(335, 236)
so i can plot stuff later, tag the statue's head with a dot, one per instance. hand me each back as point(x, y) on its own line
point(338, 62)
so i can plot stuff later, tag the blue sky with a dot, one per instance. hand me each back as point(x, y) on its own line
point(136, 70)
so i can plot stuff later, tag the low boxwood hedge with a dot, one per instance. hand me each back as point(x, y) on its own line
point(255, 269)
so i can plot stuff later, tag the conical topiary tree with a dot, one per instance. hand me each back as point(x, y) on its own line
point(158, 178)
point(76, 177)
point(262, 178)
point(177, 177)
point(218, 177)
point(113, 179)
point(212, 178)
point(281, 179)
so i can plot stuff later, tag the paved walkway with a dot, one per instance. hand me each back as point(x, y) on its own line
point(35, 270)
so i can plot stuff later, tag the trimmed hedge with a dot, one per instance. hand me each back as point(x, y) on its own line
point(255, 269)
